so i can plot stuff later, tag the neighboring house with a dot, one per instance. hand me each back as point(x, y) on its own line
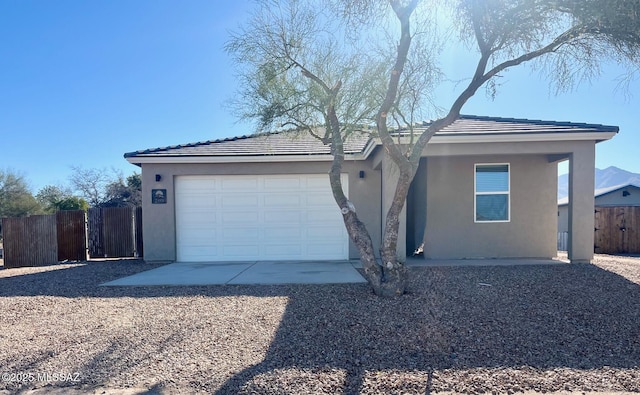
point(486, 188)
point(619, 195)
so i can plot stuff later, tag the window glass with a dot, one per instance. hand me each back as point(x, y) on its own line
point(492, 193)
point(491, 178)
point(492, 207)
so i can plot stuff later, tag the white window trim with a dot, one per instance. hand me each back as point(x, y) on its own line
point(476, 193)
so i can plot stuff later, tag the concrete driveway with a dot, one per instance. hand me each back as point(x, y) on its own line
point(285, 272)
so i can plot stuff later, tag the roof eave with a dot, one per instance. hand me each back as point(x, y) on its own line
point(138, 160)
point(453, 138)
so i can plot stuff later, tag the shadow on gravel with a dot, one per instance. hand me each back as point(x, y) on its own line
point(573, 316)
point(544, 317)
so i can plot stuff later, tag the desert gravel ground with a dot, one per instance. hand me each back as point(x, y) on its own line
point(508, 329)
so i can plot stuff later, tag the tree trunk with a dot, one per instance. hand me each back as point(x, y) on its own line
point(385, 280)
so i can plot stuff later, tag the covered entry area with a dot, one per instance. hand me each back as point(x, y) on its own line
point(443, 206)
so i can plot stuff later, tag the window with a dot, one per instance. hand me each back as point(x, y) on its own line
point(492, 193)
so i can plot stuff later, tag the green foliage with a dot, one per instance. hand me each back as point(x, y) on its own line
point(124, 193)
point(567, 39)
point(49, 196)
point(298, 56)
point(15, 198)
point(55, 198)
point(72, 203)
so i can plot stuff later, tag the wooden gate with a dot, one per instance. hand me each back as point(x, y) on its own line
point(29, 241)
point(617, 230)
point(118, 232)
point(71, 235)
point(112, 232)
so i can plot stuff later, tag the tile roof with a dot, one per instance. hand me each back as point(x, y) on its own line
point(478, 125)
point(276, 143)
point(300, 143)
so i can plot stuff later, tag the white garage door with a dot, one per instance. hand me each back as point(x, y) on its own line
point(266, 217)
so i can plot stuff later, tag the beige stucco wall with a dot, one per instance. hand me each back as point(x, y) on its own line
point(451, 232)
point(159, 219)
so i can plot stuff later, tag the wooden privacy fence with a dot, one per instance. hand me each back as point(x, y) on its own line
point(29, 241)
point(617, 230)
point(71, 235)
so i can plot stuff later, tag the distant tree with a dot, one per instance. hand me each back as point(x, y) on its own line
point(124, 192)
point(91, 184)
point(49, 195)
point(71, 203)
point(54, 198)
point(310, 63)
point(15, 198)
point(103, 188)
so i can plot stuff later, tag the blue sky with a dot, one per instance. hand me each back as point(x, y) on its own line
point(83, 82)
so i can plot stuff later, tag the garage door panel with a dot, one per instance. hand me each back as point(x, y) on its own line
point(239, 218)
point(325, 232)
point(281, 216)
point(200, 219)
point(279, 184)
point(282, 200)
point(319, 183)
point(242, 234)
point(278, 234)
point(234, 184)
point(205, 201)
point(273, 217)
point(245, 200)
point(198, 185)
point(202, 239)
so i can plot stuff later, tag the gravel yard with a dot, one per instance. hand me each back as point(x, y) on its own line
point(506, 329)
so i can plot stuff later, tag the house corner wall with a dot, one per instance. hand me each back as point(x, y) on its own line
point(158, 225)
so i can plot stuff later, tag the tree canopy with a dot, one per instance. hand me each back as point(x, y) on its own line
point(16, 199)
point(101, 188)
